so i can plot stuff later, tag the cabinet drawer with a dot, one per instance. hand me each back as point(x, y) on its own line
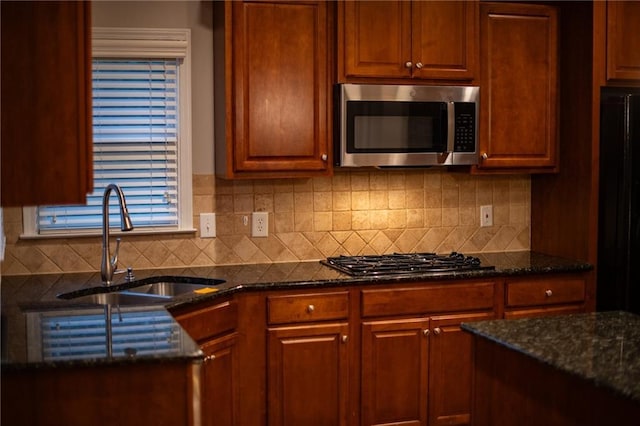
point(211, 321)
point(308, 307)
point(545, 292)
point(420, 300)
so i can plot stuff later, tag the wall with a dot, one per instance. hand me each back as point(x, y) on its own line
point(350, 213)
point(309, 219)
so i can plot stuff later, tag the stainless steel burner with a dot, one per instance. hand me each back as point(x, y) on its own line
point(404, 263)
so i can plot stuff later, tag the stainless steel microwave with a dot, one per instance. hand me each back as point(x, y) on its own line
point(405, 126)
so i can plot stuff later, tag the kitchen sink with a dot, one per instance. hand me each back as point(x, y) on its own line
point(120, 298)
point(154, 290)
point(172, 289)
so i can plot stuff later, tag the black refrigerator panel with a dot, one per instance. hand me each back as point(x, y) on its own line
point(619, 201)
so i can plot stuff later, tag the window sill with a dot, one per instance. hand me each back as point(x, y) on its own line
point(113, 233)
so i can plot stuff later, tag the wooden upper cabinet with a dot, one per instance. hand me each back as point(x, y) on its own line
point(519, 87)
point(46, 102)
point(273, 84)
point(401, 39)
point(623, 40)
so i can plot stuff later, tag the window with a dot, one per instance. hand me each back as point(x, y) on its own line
point(141, 136)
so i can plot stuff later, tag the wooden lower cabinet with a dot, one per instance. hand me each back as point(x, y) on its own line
point(308, 375)
point(417, 371)
point(214, 328)
point(544, 296)
point(451, 369)
point(218, 387)
point(394, 371)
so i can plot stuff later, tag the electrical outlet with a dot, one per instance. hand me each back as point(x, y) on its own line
point(207, 225)
point(260, 224)
point(486, 215)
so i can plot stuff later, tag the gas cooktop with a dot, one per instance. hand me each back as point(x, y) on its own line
point(404, 263)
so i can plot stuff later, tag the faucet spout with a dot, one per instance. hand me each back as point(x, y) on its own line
point(109, 264)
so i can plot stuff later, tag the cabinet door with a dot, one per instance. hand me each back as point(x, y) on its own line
point(451, 369)
point(46, 103)
point(279, 92)
point(518, 45)
point(623, 40)
point(445, 39)
point(307, 375)
point(218, 389)
point(394, 372)
point(377, 38)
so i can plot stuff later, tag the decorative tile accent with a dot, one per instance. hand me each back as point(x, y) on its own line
point(352, 212)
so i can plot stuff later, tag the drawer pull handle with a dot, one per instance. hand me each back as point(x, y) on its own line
point(437, 331)
point(548, 293)
point(344, 338)
point(311, 308)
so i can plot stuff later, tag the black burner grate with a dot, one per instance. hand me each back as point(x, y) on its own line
point(404, 263)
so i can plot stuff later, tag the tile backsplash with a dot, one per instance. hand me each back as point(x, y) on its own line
point(352, 212)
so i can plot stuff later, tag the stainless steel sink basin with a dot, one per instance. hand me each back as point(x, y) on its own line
point(120, 298)
point(154, 290)
point(172, 289)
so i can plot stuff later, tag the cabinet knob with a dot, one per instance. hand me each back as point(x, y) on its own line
point(437, 331)
point(324, 157)
point(311, 308)
point(209, 358)
point(419, 65)
point(408, 64)
point(548, 293)
point(344, 338)
point(425, 331)
point(484, 156)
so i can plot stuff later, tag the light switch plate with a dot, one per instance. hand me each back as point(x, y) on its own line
point(486, 216)
point(207, 225)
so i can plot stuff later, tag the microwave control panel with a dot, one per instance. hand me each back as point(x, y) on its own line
point(465, 127)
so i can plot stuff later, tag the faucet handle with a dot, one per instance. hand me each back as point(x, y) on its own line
point(114, 259)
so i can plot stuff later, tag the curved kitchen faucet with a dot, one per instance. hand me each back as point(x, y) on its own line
point(109, 264)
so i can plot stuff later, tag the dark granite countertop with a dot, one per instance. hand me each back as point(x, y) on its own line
point(29, 301)
point(603, 348)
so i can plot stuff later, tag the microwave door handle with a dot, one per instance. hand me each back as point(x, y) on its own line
point(451, 125)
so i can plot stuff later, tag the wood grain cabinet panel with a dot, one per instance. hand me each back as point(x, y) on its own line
point(402, 39)
point(308, 307)
point(218, 382)
point(428, 299)
point(308, 375)
point(394, 372)
point(545, 292)
point(46, 136)
point(451, 369)
point(519, 87)
point(214, 328)
point(540, 296)
point(623, 40)
point(418, 371)
point(273, 88)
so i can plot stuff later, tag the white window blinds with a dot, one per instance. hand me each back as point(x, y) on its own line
point(135, 128)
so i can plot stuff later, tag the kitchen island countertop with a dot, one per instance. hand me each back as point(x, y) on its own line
point(601, 348)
